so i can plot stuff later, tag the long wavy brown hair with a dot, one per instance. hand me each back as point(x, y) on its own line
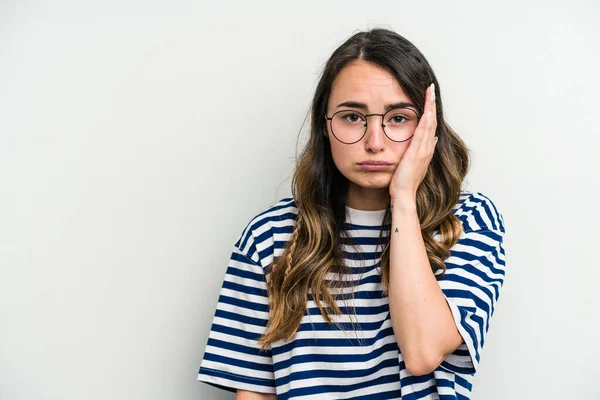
point(319, 191)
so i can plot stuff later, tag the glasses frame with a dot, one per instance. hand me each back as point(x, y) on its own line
point(330, 119)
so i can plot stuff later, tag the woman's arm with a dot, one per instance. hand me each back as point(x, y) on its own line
point(421, 317)
point(246, 395)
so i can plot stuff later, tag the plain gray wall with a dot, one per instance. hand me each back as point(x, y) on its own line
point(138, 138)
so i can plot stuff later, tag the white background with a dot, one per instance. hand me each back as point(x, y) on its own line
point(137, 139)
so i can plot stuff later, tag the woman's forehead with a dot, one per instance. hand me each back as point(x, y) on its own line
point(361, 81)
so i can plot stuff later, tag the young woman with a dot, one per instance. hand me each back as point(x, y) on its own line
point(377, 279)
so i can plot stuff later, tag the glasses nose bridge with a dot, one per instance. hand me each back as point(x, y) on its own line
point(373, 115)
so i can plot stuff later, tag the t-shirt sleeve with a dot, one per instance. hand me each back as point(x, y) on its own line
point(474, 276)
point(232, 358)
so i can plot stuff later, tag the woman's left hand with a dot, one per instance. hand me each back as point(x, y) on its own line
point(414, 163)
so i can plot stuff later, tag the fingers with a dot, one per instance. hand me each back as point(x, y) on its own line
point(427, 137)
point(432, 120)
point(432, 110)
point(424, 137)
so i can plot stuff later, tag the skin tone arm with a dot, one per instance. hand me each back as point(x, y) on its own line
point(421, 318)
point(246, 395)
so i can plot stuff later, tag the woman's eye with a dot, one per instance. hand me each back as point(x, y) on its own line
point(352, 117)
point(398, 119)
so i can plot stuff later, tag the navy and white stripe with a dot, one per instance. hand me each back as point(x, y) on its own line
point(364, 361)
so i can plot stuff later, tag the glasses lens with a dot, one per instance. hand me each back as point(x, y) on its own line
point(401, 123)
point(348, 126)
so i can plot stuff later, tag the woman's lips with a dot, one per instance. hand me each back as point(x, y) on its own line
point(374, 167)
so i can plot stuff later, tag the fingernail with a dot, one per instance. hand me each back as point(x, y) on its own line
point(433, 92)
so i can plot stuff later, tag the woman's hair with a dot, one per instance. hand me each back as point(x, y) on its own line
point(314, 251)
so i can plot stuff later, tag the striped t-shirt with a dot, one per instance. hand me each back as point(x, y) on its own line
point(362, 361)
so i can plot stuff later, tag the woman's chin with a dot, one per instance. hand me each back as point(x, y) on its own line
point(373, 182)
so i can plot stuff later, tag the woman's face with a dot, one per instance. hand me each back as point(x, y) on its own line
point(369, 84)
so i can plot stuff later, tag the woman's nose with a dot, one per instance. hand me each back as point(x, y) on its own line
point(375, 136)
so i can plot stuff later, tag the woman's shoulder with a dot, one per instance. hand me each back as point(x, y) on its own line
point(277, 213)
point(263, 234)
point(478, 212)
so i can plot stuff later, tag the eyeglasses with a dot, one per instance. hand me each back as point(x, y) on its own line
point(349, 126)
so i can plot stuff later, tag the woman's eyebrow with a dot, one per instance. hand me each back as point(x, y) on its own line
point(363, 106)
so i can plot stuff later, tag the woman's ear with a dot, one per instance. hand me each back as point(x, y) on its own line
point(325, 130)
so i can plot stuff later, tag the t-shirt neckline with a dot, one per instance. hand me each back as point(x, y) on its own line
point(364, 217)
